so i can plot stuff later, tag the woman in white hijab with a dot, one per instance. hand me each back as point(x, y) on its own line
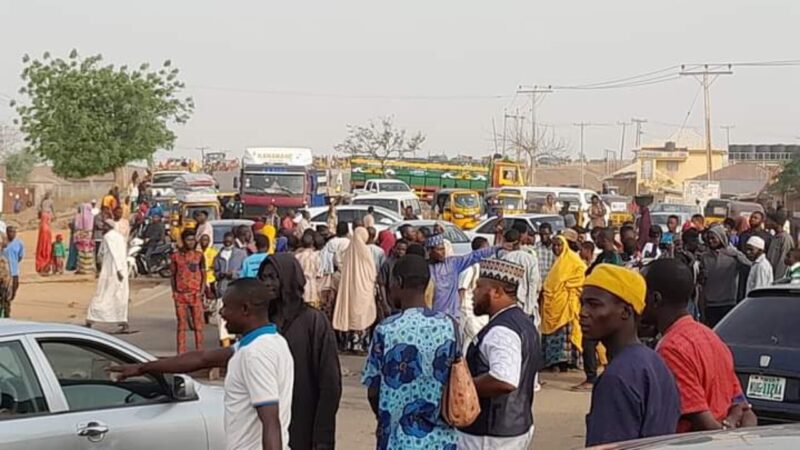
point(355, 308)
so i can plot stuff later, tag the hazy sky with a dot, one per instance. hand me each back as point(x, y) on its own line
point(446, 68)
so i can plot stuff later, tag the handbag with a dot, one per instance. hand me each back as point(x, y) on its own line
point(460, 403)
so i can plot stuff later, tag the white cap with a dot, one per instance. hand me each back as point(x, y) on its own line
point(756, 242)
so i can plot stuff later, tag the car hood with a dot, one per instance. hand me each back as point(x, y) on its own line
point(779, 437)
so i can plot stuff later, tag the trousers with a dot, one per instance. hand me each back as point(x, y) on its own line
point(189, 306)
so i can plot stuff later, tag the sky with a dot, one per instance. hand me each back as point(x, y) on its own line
point(268, 73)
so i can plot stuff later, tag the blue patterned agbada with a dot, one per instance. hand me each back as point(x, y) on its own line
point(409, 361)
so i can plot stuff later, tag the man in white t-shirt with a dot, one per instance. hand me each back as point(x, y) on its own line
point(260, 377)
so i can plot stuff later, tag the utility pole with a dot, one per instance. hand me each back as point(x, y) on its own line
point(533, 91)
point(582, 126)
point(610, 166)
point(728, 129)
point(622, 140)
point(507, 116)
point(707, 74)
point(638, 123)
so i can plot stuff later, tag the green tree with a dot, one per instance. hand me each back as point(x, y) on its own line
point(88, 118)
point(380, 140)
point(789, 178)
point(19, 166)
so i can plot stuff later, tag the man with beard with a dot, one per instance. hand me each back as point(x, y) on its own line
point(503, 360)
point(720, 265)
point(260, 370)
point(312, 343)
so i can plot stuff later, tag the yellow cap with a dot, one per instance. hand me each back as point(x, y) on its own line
point(624, 283)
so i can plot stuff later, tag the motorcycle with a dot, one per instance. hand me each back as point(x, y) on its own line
point(157, 262)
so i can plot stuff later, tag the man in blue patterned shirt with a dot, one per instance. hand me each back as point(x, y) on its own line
point(409, 364)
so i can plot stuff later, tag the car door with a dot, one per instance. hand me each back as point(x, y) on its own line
point(139, 412)
point(28, 419)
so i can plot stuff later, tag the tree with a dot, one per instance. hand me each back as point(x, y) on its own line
point(380, 140)
point(787, 180)
point(549, 148)
point(19, 166)
point(88, 119)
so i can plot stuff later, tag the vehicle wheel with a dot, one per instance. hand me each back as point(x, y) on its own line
point(166, 272)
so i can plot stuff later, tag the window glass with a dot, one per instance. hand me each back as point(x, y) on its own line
point(82, 371)
point(323, 217)
point(488, 227)
point(20, 392)
point(763, 321)
point(455, 235)
point(347, 215)
point(388, 203)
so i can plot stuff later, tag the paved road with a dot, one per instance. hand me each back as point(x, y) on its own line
point(559, 412)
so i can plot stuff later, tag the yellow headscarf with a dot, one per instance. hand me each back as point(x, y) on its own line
point(270, 233)
point(562, 294)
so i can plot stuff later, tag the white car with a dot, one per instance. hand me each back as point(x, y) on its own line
point(462, 242)
point(56, 393)
point(348, 213)
point(383, 186)
point(393, 201)
point(161, 186)
point(531, 221)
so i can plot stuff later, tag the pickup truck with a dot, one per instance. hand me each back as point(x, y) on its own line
point(383, 186)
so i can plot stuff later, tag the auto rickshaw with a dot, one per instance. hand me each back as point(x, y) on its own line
point(619, 208)
point(717, 210)
point(505, 203)
point(459, 206)
point(183, 218)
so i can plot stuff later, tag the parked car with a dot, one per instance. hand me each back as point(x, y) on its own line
point(763, 335)
point(778, 437)
point(384, 218)
point(161, 185)
point(223, 226)
point(56, 393)
point(462, 243)
point(531, 221)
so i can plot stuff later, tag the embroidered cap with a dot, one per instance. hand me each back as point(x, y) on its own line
point(434, 240)
point(503, 271)
point(756, 242)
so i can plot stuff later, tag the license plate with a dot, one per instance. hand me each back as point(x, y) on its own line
point(766, 388)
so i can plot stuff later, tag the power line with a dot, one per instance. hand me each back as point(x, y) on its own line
point(350, 96)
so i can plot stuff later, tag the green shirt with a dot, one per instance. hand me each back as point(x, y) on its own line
point(59, 251)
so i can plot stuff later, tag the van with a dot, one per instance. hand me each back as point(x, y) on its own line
point(395, 202)
point(579, 199)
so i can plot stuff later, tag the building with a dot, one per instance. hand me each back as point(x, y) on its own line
point(658, 169)
point(743, 180)
point(766, 153)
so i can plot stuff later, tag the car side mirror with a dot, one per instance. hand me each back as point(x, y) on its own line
point(184, 388)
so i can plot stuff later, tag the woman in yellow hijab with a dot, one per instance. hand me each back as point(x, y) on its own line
point(561, 332)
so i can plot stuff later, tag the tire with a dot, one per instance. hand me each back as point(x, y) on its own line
point(166, 272)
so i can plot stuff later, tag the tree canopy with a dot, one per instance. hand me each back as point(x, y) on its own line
point(787, 181)
point(380, 140)
point(89, 118)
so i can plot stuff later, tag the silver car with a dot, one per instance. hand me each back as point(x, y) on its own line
point(780, 437)
point(56, 393)
point(461, 242)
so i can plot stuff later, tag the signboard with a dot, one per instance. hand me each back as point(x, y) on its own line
point(700, 192)
point(287, 156)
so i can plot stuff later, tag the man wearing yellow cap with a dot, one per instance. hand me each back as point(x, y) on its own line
point(636, 396)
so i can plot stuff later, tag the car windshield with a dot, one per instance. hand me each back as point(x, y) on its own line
point(274, 183)
point(659, 219)
point(394, 187)
point(165, 178)
point(211, 212)
point(511, 202)
point(767, 321)
point(466, 200)
point(455, 235)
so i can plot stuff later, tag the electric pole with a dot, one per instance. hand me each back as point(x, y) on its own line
point(622, 140)
point(728, 129)
point(582, 126)
point(707, 74)
point(533, 91)
point(638, 123)
point(507, 116)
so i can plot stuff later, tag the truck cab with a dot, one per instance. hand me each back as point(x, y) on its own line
point(280, 176)
point(383, 186)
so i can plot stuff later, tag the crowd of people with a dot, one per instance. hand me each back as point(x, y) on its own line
point(295, 297)
point(530, 303)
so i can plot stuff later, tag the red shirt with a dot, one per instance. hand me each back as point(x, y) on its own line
point(703, 368)
point(188, 274)
point(287, 224)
